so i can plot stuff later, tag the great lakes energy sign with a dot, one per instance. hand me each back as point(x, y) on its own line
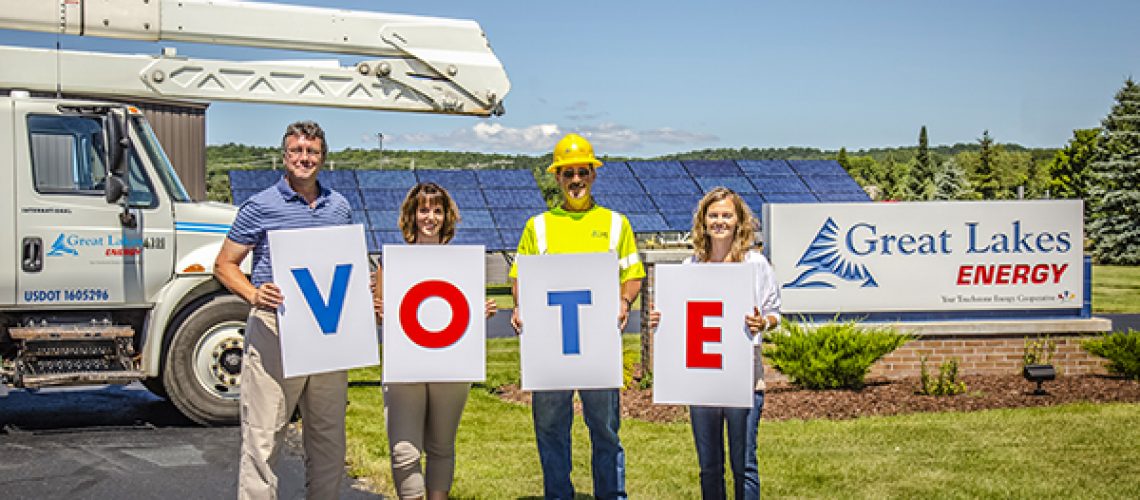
point(926, 256)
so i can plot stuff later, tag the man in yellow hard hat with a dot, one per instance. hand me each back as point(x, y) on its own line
point(578, 225)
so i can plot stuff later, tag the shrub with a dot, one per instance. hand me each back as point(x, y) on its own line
point(832, 355)
point(946, 384)
point(1039, 351)
point(1122, 350)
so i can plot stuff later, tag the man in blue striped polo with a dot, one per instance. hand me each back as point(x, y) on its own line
point(267, 398)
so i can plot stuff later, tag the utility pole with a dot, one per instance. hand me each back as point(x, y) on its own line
point(380, 141)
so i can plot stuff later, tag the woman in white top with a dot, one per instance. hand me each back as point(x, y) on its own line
point(423, 418)
point(724, 231)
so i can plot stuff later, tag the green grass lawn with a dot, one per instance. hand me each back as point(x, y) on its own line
point(1083, 450)
point(1116, 289)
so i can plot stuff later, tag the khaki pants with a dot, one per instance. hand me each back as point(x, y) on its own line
point(423, 418)
point(267, 403)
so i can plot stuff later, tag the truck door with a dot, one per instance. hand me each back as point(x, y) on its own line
point(75, 249)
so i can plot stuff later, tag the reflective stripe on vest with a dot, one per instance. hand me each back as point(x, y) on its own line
point(540, 233)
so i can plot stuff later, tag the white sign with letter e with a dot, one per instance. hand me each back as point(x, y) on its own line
point(702, 351)
point(434, 328)
point(326, 321)
point(568, 305)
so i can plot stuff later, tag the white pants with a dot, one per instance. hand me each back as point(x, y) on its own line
point(267, 403)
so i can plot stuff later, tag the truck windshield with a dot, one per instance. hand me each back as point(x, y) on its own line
point(158, 158)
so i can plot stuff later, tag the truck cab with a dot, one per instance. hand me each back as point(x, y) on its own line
point(109, 257)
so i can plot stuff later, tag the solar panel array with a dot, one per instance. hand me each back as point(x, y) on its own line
point(660, 196)
point(656, 196)
point(494, 205)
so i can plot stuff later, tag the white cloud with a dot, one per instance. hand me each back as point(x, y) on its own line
point(608, 138)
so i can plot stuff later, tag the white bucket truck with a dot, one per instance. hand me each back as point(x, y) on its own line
point(105, 261)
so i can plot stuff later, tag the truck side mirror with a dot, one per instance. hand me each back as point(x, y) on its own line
point(114, 189)
point(118, 143)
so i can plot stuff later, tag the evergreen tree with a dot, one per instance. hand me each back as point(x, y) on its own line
point(1115, 190)
point(894, 182)
point(986, 175)
point(950, 182)
point(1069, 170)
point(921, 183)
point(841, 158)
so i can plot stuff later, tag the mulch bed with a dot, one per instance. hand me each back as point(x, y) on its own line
point(784, 401)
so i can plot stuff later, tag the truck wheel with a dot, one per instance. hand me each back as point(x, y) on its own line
point(155, 386)
point(202, 372)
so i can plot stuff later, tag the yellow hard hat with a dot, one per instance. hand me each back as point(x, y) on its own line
point(573, 150)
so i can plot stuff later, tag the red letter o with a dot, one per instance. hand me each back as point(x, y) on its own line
point(409, 318)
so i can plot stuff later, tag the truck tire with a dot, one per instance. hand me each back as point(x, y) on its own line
point(202, 371)
point(155, 386)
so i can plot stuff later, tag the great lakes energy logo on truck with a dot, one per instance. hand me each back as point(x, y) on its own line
point(931, 256)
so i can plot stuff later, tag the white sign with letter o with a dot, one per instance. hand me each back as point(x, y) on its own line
point(434, 326)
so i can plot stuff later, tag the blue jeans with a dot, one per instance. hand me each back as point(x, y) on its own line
point(553, 415)
point(708, 432)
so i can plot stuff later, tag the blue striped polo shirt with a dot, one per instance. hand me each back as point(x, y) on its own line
point(279, 207)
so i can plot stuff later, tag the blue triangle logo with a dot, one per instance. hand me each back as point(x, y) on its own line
point(822, 257)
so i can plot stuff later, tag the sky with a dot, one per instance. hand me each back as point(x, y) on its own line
point(647, 78)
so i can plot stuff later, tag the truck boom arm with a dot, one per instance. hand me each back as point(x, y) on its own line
point(422, 64)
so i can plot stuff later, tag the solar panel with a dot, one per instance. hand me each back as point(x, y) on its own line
point(817, 167)
point(384, 220)
point(254, 179)
point(353, 197)
point(240, 195)
point(618, 185)
point(790, 198)
point(383, 199)
point(612, 169)
point(670, 185)
point(783, 184)
point(848, 196)
point(647, 222)
point(513, 218)
point(386, 179)
point(711, 168)
point(476, 219)
point(765, 167)
point(360, 217)
point(832, 184)
point(340, 180)
point(467, 198)
point(388, 238)
point(754, 202)
point(738, 184)
point(487, 237)
point(510, 237)
point(678, 221)
point(626, 202)
point(449, 179)
point(370, 242)
point(677, 202)
point(650, 169)
point(514, 198)
point(513, 178)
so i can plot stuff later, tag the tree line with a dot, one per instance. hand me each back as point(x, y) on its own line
point(1099, 165)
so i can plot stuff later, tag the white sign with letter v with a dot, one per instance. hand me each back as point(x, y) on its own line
point(326, 321)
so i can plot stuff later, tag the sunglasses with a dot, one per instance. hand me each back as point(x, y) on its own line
point(569, 173)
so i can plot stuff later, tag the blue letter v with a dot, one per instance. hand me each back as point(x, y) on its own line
point(328, 315)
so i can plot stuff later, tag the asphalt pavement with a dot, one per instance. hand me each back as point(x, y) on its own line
point(124, 442)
